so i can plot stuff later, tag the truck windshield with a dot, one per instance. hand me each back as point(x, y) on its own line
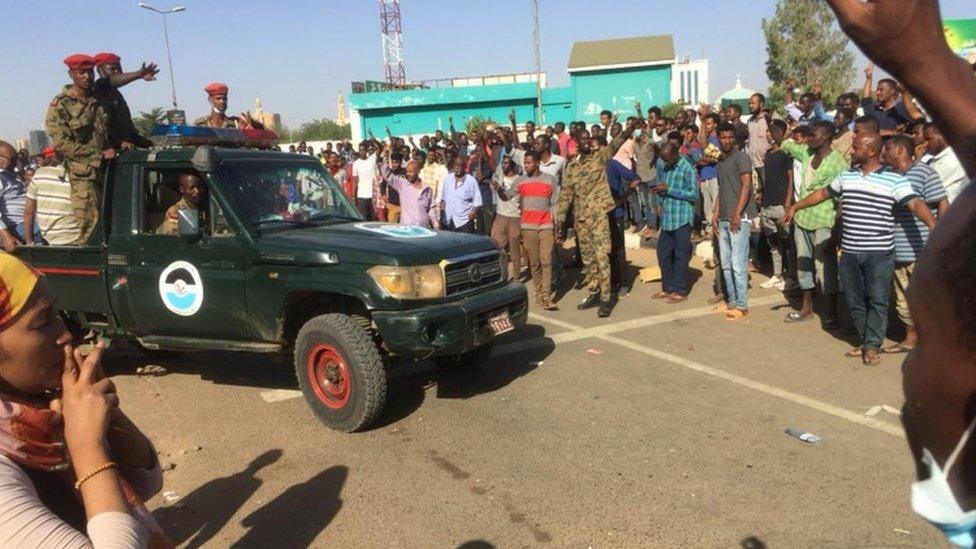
point(286, 193)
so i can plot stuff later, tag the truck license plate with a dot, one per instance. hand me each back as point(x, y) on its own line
point(501, 323)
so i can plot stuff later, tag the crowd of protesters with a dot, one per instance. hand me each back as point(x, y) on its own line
point(829, 203)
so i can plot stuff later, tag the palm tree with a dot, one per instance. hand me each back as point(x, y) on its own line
point(146, 120)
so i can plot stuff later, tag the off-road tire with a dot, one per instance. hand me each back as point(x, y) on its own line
point(340, 372)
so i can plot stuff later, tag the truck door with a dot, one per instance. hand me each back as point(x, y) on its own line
point(176, 286)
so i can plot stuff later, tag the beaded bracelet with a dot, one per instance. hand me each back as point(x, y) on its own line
point(99, 469)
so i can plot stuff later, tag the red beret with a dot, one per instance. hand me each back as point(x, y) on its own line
point(49, 152)
point(216, 88)
point(106, 58)
point(79, 61)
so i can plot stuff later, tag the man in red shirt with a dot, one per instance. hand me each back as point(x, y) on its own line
point(535, 196)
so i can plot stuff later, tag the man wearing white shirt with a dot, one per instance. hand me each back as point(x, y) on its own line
point(941, 157)
point(364, 170)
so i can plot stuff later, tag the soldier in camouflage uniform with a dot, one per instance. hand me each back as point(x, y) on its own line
point(585, 184)
point(193, 197)
point(122, 133)
point(217, 96)
point(78, 125)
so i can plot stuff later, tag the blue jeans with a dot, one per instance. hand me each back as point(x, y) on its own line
point(673, 255)
point(867, 285)
point(734, 251)
point(649, 202)
point(18, 231)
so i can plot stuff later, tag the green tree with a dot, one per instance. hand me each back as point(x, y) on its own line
point(804, 43)
point(476, 124)
point(322, 129)
point(146, 120)
point(671, 109)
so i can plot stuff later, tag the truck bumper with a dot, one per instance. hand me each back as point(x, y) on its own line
point(450, 328)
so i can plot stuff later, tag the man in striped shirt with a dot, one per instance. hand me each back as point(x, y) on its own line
point(677, 193)
point(535, 191)
point(870, 193)
point(49, 195)
point(910, 233)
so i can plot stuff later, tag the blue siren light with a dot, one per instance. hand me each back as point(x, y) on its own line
point(175, 135)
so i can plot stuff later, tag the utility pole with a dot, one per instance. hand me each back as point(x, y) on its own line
point(169, 57)
point(540, 117)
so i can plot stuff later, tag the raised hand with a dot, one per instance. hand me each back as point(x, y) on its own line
point(511, 115)
point(896, 34)
point(148, 71)
point(869, 71)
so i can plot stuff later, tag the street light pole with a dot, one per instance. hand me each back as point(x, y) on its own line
point(169, 56)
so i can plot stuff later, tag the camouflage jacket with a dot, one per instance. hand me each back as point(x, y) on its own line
point(229, 122)
point(79, 130)
point(120, 126)
point(586, 183)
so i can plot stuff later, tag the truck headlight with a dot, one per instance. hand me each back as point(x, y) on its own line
point(423, 282)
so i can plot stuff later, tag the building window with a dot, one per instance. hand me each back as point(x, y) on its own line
point(682, 78)
point(696, 87)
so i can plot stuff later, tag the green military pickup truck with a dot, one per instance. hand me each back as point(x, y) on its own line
point(276, 259)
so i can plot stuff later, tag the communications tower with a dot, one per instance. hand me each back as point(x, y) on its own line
point(392, 34)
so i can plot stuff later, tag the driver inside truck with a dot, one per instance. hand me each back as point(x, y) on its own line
point(193, 194)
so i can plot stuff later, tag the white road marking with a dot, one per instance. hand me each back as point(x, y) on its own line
point(625, 325)
point(577, 333)
point(796, 398)
point(603, 333)
point(277, 395)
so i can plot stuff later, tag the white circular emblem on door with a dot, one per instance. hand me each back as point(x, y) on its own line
point(181, 288)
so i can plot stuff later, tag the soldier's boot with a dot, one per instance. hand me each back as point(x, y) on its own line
point(591, 301)
point(606, 306)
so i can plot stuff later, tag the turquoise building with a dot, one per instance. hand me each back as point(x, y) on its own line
point(603, 75)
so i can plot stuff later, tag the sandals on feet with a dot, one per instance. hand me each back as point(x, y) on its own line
point(661, 295)
point(871, 360)
point(796, 317)
point(896, 349)
point(736, 314)
point(854, 353)
point(677, 298)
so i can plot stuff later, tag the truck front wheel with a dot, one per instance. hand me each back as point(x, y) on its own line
point(340, 372)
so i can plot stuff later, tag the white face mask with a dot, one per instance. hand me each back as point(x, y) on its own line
point(932, 498)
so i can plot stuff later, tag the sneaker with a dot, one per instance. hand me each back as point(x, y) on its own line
point(605, 309)
point(623, 293)
point(774, 282)
point(781, 285)
point(591, 301)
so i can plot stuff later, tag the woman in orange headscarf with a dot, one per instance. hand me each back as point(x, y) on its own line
point(73, 467)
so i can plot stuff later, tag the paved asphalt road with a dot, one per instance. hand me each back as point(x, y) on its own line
point(661, 426)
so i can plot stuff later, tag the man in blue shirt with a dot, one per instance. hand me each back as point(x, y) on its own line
point(13, 199)
point(460, 198)
point(677, 193)
point(623, 181)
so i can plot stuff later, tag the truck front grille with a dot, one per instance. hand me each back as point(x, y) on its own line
point(464, 274)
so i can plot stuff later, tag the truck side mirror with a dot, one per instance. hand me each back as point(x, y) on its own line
point(189, 223)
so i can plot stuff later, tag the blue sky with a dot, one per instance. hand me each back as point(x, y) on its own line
point(297, 54)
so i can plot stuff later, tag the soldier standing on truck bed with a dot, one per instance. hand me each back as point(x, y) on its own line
point(586, 182)
point(217, 95)
point(78, 125)
point(122, 133)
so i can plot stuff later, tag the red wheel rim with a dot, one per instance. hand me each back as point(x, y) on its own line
point(329, 376)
